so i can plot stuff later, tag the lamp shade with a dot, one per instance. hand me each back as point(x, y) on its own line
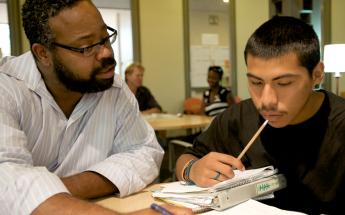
point(334, 58)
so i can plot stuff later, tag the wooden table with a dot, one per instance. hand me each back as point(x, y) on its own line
point(165, 122)
point(134, 202)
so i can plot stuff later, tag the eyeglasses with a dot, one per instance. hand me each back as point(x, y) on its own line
point(93, 49)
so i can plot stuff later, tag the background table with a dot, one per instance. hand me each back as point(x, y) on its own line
point(165, 122)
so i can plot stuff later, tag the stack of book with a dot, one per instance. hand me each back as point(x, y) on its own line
point(245, 185)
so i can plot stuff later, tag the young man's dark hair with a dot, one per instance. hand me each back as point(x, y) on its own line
point(271, 41)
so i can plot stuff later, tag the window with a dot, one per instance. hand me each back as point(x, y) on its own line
point(117, 14)
point(120, 19)
point(210, 42)
point(5, 43)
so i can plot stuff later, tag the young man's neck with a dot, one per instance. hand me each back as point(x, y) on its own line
point(311, 107)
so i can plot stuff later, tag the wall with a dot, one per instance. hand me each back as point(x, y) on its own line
point(164, 60)
point(161, 40)
point(250, 14)
point(200, 25)
point(26, 45)
point(338, 32)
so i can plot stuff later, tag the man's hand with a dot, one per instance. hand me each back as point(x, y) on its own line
point(214, 168)
point(65, 204)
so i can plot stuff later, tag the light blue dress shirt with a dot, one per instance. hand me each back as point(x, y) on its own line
point(38, 144)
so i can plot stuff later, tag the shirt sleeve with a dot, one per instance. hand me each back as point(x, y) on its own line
point(23, 187)
point(137, 155)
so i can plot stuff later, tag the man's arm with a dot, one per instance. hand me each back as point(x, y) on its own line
point(89, 184)
point(64, 204)
point(135, 155)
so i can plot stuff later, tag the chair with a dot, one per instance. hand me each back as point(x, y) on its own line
point(192, 105)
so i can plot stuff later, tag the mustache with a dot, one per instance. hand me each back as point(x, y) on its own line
point(108, 62)
point(104, 64)
point(265, 108)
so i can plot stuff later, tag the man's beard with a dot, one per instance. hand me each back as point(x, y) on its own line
point(73, 83)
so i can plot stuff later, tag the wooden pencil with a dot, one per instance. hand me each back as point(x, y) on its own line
point(252, 140)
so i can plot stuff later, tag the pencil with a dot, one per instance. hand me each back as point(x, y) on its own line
point(160, 209)
point(252, 140)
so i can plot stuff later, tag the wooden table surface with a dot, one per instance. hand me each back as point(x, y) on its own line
point(166, 122)
point(134, 202)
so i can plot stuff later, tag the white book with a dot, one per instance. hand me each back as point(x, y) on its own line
point(240, 178)
point(243, 186)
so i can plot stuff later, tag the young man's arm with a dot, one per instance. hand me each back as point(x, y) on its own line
point(208, 170)
point(181, 163)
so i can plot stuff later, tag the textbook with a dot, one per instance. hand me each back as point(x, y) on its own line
point(245, 185)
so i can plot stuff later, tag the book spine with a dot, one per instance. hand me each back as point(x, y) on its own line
point(230, 197)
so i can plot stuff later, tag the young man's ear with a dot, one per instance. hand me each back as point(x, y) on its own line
point(318, 73)
point(41, 53)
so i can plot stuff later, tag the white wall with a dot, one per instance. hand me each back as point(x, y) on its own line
point(250, 14)
point(338, 32)
point(5, 47)
point(162, 53)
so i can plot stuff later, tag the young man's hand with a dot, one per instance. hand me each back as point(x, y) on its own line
point(214, 168)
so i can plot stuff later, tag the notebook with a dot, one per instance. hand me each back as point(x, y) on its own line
point(243, 186)
point(240, 178)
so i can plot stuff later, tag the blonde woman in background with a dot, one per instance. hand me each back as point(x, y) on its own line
point(134, 78)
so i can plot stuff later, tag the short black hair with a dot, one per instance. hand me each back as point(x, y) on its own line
point(35, 17)
point(216, 69)
point(282, 35)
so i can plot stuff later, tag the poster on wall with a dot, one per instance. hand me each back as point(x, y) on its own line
point(204, 56)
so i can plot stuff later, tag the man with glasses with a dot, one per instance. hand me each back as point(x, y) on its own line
point(69, 128)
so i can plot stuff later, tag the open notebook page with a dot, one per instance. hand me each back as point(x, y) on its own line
point(241, 177)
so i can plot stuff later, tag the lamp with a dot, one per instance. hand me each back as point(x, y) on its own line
point(334, 60)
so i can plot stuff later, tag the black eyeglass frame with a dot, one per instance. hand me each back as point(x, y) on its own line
point(83, 50)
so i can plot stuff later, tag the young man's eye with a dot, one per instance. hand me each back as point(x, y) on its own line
point(286, 83)
point(256, 83)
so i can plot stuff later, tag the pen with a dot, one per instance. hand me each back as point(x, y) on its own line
point(252, 140)
point(160, 209)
